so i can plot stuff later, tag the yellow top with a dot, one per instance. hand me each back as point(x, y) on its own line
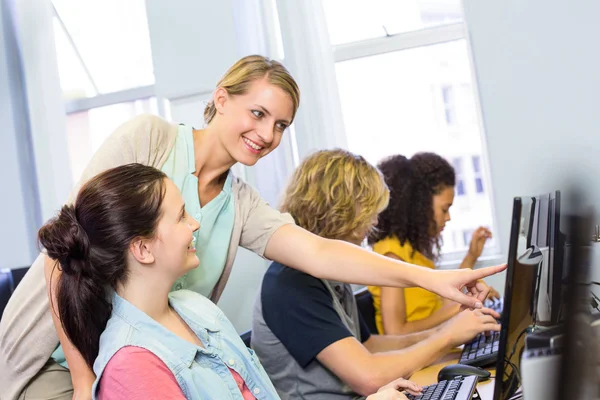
point(420, 303)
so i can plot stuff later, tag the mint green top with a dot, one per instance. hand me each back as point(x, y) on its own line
point(216, 220)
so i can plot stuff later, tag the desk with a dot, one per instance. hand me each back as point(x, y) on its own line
point(428, 375)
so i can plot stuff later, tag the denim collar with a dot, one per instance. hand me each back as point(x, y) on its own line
point(201, 325)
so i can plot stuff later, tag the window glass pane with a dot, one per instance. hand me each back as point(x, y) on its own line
point(479, 185)
point(73, 79)
point(392, 104)
point(476, 165)
point(113, 41)
point(457, 165)
point(354, 20)
point(448, 97)
point(460, 187)
point(467, 235)
point(87, 130)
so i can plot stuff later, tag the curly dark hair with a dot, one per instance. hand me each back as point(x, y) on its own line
point(409, 215)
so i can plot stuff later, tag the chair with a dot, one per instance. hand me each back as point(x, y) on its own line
point(9, 279)
point(364, 301)
point(18, 274)
point(7, 286)
point(246, 337)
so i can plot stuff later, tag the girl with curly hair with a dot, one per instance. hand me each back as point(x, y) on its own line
point(409, 229)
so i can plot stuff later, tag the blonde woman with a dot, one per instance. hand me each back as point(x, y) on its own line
point(253, 104)
point(306, 330)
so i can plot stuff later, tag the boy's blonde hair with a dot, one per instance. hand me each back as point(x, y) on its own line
point(335, 194)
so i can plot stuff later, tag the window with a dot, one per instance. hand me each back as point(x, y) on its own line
point(477, 173)
point(102, 46)
point(449, 110)
point(353, 20)
point(87, 130)
point(467, 235)
point(458, 170)
point(401, 94)
point(105, 69)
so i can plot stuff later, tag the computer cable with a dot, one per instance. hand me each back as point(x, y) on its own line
point(512, 352)
point(516, 375)
point(515, 369)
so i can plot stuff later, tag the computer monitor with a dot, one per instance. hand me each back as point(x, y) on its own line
point(579, 366)
point(519, 301)
point(556, 257)
point(540, 236)
point(529, 218)
point(543, 217)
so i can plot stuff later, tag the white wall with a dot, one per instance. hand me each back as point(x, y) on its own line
point(536, 64)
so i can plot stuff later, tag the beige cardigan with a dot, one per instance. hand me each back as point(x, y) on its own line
point(27, 334)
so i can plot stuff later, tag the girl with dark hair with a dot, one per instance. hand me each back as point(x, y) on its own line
point(120, 247)
point(409, 229)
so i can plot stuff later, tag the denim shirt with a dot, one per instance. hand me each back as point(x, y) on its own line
point(202, 373)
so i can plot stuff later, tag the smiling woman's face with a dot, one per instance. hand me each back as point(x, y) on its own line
point(251, 125)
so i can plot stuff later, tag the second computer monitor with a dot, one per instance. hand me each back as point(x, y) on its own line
point(556, 247)
point(544, 232)
point(519, 300)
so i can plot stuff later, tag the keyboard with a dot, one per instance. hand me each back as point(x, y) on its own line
point(496, 304)
point(482, 351)
point(459, 388)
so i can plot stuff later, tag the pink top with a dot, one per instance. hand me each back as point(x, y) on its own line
point(135, 373)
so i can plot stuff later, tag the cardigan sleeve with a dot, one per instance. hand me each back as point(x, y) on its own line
point(259, 219)
point(145, 139)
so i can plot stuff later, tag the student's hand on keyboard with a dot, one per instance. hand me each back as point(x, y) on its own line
point(468, 323)
point(486, 310)
point(388, 394)
point(391, 391)
point(493, 295)
point(402, 384)
point(451, 283)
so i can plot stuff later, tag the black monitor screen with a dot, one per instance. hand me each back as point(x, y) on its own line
point(519, 303)
point(556, 254)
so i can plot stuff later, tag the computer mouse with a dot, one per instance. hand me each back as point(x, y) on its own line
point(449, 372)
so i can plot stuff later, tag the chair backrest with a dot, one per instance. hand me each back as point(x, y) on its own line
point(18, 274)
point(246, 337)
point(364, 301)
point(7, 286)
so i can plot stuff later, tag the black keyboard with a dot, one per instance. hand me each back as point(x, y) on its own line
point(496, 305)
point(460, 388)
point(482, 351)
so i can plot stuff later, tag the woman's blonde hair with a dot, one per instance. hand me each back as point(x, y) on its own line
point(243, 73)
point(335, 194)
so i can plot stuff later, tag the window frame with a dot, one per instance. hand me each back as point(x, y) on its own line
point(428, 37)
point(78, 105)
